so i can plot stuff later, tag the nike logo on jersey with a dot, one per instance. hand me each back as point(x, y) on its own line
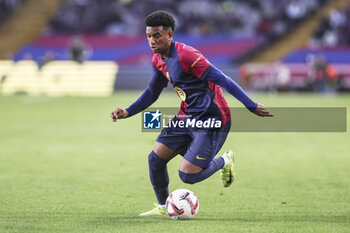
point(201, 158)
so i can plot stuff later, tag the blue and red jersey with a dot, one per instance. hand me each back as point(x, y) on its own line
point(197, 82)
point(186, 69)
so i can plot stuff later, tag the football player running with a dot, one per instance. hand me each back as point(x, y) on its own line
point(198, 84)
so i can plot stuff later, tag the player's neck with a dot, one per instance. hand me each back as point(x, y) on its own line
point(166, 53)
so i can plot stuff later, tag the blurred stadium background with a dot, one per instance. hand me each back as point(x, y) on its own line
point(65, 167)
point(95, 47)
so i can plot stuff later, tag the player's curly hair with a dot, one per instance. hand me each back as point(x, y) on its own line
point(160, 18)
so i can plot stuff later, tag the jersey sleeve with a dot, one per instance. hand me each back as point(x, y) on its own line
point(157, 83)
point(217, 77)
point(192, 61)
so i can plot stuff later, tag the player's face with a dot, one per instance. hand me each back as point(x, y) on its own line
point(159, 39)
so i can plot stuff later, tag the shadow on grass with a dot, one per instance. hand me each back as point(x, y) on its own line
point(134, 220)
point(285, 218)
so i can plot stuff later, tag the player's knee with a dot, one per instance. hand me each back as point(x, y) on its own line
point(188, 178)
point(154, 161)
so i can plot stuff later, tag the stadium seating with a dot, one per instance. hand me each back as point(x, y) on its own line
point(7, 7)
point(220, 49)
point(234, 28)
point(332, 55)
point(291, 76)
point(107, 42)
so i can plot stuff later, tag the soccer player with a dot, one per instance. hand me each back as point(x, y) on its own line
point(198, 83)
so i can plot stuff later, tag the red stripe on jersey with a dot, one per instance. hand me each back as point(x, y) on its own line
point(220, 101)
point(160, 65)
point(183, 111)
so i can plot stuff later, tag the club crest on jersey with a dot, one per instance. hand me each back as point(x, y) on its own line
point(181, 93)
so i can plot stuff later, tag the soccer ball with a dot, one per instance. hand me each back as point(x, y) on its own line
point(182, 204)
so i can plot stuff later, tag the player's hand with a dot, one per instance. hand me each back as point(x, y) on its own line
point(119, 113)
point(262, 111)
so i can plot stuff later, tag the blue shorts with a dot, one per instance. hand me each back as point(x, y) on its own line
point(198, 146)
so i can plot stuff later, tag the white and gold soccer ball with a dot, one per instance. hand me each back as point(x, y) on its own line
point(182, 204)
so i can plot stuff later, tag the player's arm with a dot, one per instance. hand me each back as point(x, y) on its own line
point(216, 76)
point(149, 96)
point(194, 62)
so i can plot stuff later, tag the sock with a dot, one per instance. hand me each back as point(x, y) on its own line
point(226, 160)
point(192, 178)
point(158, 174)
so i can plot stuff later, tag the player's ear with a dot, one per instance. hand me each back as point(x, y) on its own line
point(171, 33)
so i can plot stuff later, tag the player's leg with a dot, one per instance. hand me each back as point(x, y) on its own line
point(169, 143)
point(157, 161)
point(158, 173)
point(198, 163)
point(191, 173)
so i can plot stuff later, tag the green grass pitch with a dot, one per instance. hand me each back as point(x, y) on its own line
point(65, 167)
